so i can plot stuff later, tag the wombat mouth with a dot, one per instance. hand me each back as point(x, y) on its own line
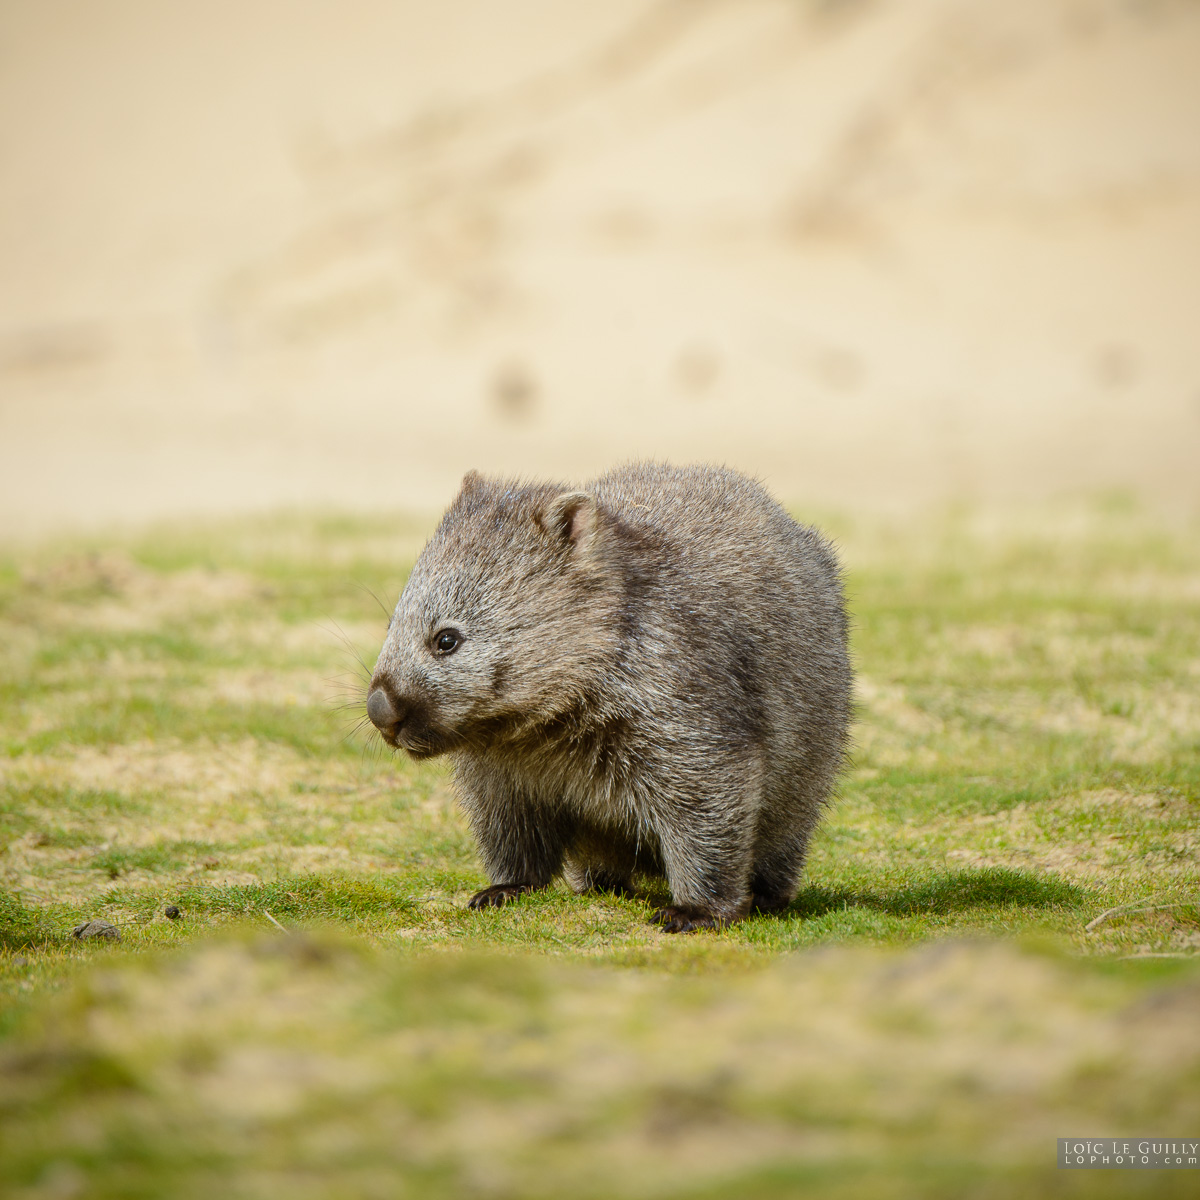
point(419, 751)
point(419, 740)
point(422, 745)
point(416, 747)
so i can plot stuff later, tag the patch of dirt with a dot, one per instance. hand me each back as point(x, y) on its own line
point(1026, 836)
point(216, 772)
point(1146, 804)
point(108, 592)
point(260, 804)
point(272, 687)
point(889, 702)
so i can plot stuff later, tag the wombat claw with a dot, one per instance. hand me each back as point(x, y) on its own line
point(498, 895)
point(674, 919)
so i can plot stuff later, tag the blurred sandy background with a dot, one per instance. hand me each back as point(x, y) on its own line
point(884, 253)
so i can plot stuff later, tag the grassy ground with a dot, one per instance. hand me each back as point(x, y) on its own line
point(1027, 758)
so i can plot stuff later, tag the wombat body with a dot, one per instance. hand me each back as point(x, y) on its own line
point(648, 676)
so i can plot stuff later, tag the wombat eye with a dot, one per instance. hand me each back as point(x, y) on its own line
point(447, 641)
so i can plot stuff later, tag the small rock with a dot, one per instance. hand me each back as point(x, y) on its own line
point(1116, 366)
point(97, 929)
point(172, 912)
point(515, 391)
point(697, 368)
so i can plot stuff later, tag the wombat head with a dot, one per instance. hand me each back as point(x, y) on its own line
point(504, 621)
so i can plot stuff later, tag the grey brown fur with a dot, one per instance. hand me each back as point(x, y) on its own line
point(647, 676)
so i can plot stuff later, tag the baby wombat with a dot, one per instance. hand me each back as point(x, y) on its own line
point(645, 676)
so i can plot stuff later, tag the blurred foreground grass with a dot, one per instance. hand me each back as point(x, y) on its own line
point(1028, 757)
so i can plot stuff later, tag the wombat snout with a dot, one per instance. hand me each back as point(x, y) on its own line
point(386, 714)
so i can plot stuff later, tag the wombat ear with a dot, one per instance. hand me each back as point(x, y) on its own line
point(472, 482)
point(572, 517)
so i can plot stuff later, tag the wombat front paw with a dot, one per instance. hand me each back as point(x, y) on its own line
point(498, 894)
point(675, 919)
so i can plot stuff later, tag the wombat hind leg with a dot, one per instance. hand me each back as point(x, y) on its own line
point(678, 918)
point(770, 902)
point(615, 885)
point(706, 859)
point(776, 872)
point(498, 895)
point(598, 863)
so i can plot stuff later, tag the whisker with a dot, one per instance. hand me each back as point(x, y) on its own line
point(353, 730)
point(338, 632)
point(382, 607)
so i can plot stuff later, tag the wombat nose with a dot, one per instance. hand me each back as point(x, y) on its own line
point(382, 711)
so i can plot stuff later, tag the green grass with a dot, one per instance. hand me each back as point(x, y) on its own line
point(177, 716)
